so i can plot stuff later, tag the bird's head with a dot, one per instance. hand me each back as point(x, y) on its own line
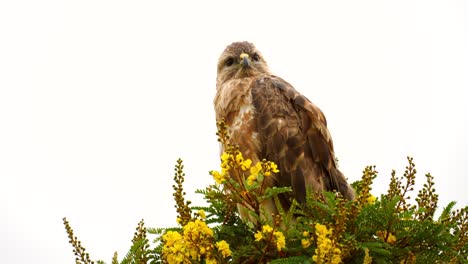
point(239, 60)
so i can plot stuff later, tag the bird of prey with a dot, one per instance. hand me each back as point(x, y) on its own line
point(268, 119)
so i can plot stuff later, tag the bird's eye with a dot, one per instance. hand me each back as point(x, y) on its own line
point(229, 62)
point(256, 57)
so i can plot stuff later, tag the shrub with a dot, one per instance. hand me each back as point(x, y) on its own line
point(326, 228)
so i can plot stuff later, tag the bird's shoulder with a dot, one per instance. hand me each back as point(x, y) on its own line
point(270, 92)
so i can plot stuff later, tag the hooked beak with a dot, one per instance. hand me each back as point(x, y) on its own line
point(245, 60)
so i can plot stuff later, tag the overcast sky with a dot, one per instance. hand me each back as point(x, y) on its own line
point(98, 99)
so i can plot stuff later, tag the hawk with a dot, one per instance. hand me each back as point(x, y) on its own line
point(268, 119)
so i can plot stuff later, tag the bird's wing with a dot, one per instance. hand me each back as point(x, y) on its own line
point(293, 133)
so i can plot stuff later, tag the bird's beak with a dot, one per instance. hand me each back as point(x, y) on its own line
point(245, 60)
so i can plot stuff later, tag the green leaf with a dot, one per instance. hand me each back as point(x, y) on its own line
point(293, 260)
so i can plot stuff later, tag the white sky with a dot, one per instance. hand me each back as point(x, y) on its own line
point(99, 98)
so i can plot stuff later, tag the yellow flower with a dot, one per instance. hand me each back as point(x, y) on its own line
point(305, 243)
point(336, 258)
point(198, 237)
point(223, 247)
point(273, 167)
point(196, 228)
point(194, 254)
point(269, 167)
point(211, 261)
point(371, 199)
point(246, 164)
point(224, 157)
point(173, 249)
point(267, 229)
point(202, 214)
point(251, 179)
point(171, 237)
point(306, 234)
point(226, 163)
point(234, 159)
point(193, 244)
point(219, 177)
point(258, 236)
point(243, 164)
point(389, 239)
point(256, 169)
point(278, 236)
point(321, 229)
point(280, 240)
point(239, 158)
point(327, 250)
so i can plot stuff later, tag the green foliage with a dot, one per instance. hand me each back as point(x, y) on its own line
point(326, 228)
point(139, 252)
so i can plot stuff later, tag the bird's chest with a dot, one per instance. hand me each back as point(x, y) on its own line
point(233, 103)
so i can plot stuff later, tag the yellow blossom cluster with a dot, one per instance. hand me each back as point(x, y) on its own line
point(306, 241)
point(228, 162)
point(371, 199)
point(223, 247)
point(173, 249)
point(218, 176)
point(390, 238)
point(264, 167)
point(201, 214)
point(270, 235)
point(254, 171)
point(326, 251)
point(235, 160)
point(193, 244)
